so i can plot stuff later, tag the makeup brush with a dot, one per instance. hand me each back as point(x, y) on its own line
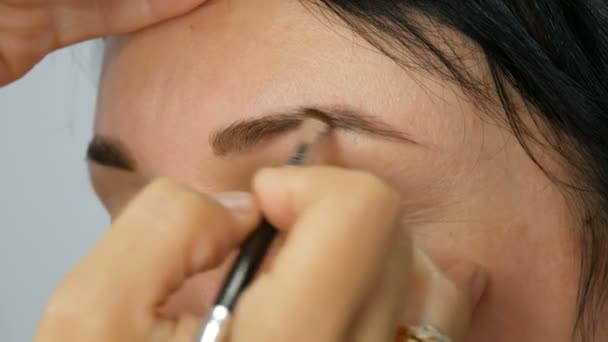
point(256, 246)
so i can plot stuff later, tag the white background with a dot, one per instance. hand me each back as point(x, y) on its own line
point(49, 216)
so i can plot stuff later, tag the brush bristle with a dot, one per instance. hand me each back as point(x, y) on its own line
point(312, 130)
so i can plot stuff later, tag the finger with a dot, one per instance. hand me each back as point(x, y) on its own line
point(25, 37)
point(30, 29)
point(382, 313)
point(445, 299)
point(196, 295)
point(167, 233)
point(79, 20)
point(187, 327)
point(333, 255)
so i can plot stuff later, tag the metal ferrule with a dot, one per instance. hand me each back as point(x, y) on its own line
point(217, 325)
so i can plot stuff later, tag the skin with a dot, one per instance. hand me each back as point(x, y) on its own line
point(469, 190)
point(179, 233)
point(29, 29)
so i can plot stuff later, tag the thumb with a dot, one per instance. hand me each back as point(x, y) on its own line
point(166, 234)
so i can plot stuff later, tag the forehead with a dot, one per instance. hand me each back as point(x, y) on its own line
point(166, 89)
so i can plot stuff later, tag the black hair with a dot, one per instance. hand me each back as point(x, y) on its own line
point(553, 55)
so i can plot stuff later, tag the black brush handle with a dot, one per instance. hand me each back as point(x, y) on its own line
point(253, 251)
point(250, 258)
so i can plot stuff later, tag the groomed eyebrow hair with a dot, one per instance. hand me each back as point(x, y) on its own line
point(244, 135)
point(110, 152)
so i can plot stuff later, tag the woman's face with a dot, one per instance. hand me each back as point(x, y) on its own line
point(168, 94)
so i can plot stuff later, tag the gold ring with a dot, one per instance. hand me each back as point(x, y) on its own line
point(422, 333)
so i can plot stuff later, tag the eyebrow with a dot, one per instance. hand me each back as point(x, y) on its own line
point(110, 152)
point(244, 135)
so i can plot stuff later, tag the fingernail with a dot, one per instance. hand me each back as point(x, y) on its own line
point(237, 202)
point(470, 278)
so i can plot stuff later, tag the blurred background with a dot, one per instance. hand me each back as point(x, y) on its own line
point(49, 216)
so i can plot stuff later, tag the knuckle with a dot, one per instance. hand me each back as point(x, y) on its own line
point(349, 181)
point(358, 190)
point(370, 199)
point(25, 37)
point(18, 61)
point(168, 207)
point(176, 212)
point(369, 188)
